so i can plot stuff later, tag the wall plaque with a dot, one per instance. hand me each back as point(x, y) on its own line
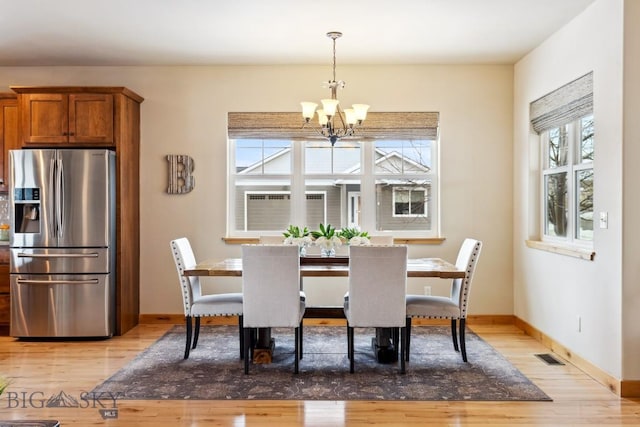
point(181, 180)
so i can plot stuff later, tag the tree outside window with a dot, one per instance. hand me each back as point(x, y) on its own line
point(568, 181)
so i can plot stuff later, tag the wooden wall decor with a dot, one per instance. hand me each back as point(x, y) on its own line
point(181, 180)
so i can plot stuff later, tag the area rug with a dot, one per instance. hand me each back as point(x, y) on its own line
point(215, 372)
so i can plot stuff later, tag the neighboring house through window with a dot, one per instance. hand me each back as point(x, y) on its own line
point(378, 185)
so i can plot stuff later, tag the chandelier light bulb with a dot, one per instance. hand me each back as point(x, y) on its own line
point(350, 116)
point(330, 106)
point(308, 110)
point(360, 111)
point(322, 118)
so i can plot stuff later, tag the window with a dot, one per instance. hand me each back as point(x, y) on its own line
point(409, 201)
point(567, 202)
point(564, 120)
point(378, 185)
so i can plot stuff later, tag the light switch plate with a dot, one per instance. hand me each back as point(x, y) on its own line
point(604, 220)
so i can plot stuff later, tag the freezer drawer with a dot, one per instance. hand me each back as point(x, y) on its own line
point(67, 305)
point(60, 261)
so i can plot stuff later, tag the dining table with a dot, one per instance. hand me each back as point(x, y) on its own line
point(338, 266)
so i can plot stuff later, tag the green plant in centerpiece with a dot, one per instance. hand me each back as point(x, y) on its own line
point(350, 232)
point(295, 232)
point(354, 236)
point(4, 383)
point(326, 237)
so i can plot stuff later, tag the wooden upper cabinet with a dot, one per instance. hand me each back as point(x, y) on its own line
point(60, 118)
point(8, 134)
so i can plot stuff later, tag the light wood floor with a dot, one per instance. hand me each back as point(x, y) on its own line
point(41, 369)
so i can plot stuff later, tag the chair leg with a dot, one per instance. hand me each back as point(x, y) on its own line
point(241, 334)
point(453, 335)
point(301, 340)
point(348, 343)
point(246, 349)
point(408, 330)
point(187, 322)
point(403, 349)
point(350, 347)
point(196, 333)
point(463, 346)
point(396, 338)
point(296, 352)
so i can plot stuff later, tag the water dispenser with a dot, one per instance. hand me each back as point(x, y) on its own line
point(26, 212)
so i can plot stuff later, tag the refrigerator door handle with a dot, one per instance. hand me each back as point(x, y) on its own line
point(87, 255)
point(57, 282)
point(52, 199)
point(60, 195)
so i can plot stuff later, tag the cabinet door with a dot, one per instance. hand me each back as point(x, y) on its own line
point(91, 118)
point(8, 137)
point(4, 288)
point(45, 118)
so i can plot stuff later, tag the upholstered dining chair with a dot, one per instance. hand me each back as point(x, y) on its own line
point(381, 240)
point(453, 307)
point(272, 296)
point(197, 305)
point(271, 240)
point(377, 289)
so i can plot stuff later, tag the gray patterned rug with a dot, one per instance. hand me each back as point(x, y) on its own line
point(214, 371)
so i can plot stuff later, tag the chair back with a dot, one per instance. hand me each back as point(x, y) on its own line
point(185, 259)
point(377, 286)
point(271, 286)
point(381, 240)
point(467, 260)
point(272, 240)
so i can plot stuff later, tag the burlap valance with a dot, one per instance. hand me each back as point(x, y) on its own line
point(411, 125)
point(563, 105)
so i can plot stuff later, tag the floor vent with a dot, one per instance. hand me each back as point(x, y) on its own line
point(549, 359)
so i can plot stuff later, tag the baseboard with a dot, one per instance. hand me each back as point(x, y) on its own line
point(622, 388)
point(178, 319)
point(630, 388)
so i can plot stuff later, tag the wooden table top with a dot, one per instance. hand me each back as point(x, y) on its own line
point(326, 267)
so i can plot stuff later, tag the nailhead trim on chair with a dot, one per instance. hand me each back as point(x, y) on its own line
point(465, 289)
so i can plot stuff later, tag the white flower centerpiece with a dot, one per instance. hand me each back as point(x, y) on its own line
point(301, 237)
point(354, 236)
point(327, 239)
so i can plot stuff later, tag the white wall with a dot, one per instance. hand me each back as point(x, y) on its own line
point(552, 290)
point(185, 112)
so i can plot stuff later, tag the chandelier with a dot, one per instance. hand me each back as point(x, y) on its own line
point(334, 122)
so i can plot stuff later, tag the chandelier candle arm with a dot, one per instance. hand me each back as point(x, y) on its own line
point(349, 118)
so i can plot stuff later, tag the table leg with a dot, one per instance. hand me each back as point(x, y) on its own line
point(383, 346)
point(263, 351)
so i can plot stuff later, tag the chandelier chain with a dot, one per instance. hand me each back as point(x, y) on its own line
point(334, 59)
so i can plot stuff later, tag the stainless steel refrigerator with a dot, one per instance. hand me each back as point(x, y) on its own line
point(62, 213)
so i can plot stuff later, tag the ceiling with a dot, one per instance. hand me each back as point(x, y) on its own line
point(202, 32)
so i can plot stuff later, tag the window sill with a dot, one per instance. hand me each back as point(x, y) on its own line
point(397, 240)
point(572, 251)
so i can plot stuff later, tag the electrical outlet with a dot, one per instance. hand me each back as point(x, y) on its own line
point(427, 290)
